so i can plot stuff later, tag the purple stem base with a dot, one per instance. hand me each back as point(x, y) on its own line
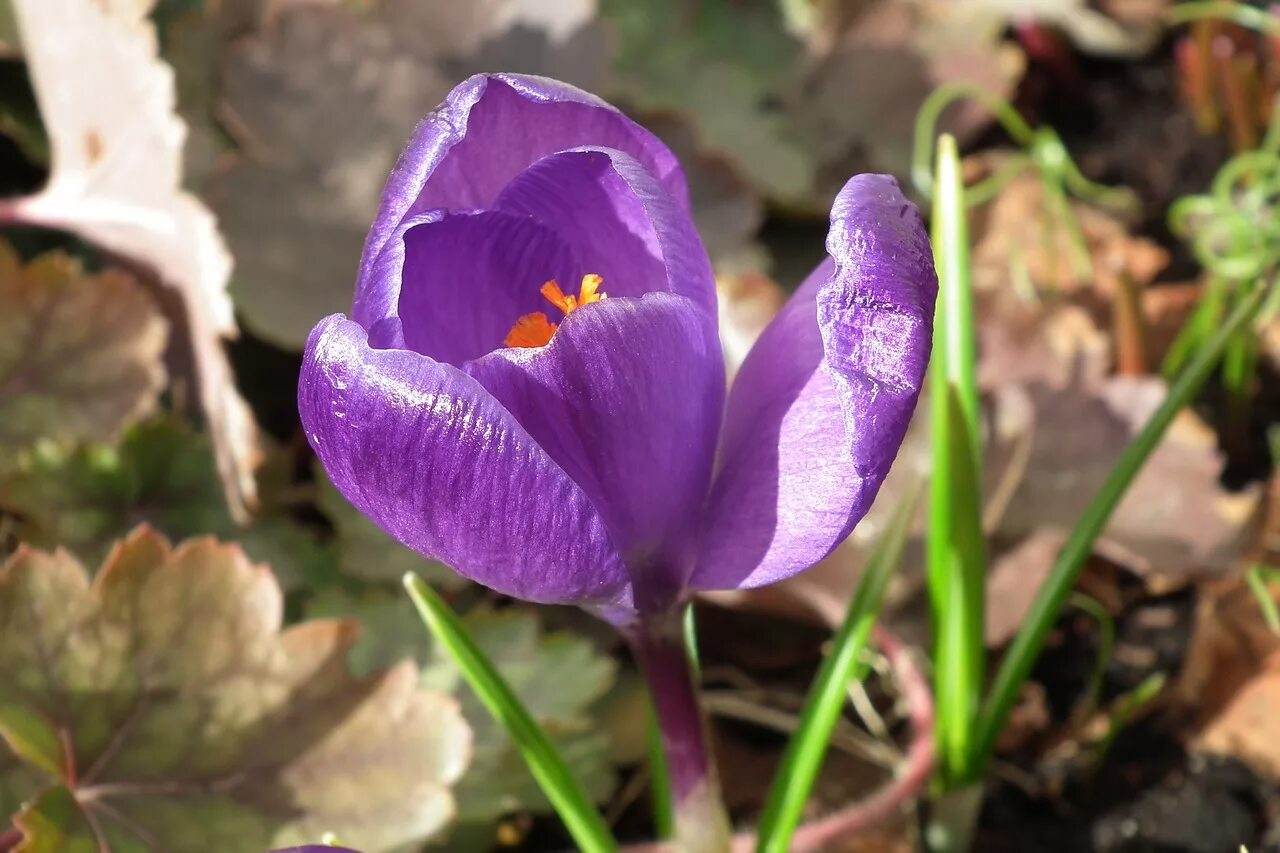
point(657, 641)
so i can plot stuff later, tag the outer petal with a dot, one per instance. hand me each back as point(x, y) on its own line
point(823, 400)
point(421, 449)
point(488, 130)
point(620, 221)
point(627, 399)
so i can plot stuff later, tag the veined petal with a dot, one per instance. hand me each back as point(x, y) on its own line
point(621, 222)
point(488, 130)
point(823, 400)
point(421, 449)
point(627, 399)
point(467, 278)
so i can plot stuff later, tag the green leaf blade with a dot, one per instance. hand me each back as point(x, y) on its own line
point(806, 750)
point(566, 794)
point(1018, 661)
point(955, 553)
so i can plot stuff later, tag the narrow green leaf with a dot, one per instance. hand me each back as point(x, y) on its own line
point(1237, 13)
point(955, 554)
point(808, 746)
point(561, 787)
point(664, 819)
point(1106, 646)
point(1022, 654)
point(1257, 579)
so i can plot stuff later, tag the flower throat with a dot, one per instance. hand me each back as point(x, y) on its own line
point(535, 330)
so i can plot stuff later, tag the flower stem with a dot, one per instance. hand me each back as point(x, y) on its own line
point(657, 641)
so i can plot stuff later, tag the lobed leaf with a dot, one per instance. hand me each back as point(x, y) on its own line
point(80, 354)
point(179, 716)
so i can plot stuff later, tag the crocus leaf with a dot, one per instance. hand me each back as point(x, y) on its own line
point(558, 676)
point(808, 746)
point(79, 354)
point(955, 554)
point(562, 786)
point(117, 182)
point(365, 552)
point(186, 719)
point(162, 472)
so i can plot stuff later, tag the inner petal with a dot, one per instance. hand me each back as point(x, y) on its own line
point(469, 277)
point(580, 195)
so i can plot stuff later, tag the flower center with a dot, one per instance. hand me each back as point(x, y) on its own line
point(535, 330)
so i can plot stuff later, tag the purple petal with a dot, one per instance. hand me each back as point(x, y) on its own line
point(627, 399)
point(469, 277)
point(488, 130)
point(823, 400)
point(622, 224)
point(421, 449)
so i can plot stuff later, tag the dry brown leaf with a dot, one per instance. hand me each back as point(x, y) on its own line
point(869, 73)
point(1230, 683)
point(1246, 726)
point(162, 707)
point(108, 105)
point(80, 355)
point(321, 101)
point(1016, 234)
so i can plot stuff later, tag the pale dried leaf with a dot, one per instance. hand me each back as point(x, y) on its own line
point(321, 100)
point(169, 711)
point(80, 355)
point(108, 104)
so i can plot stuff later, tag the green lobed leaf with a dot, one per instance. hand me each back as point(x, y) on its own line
point(163, 473)
point(189, 721)
point(724, 65)
point(560, 677)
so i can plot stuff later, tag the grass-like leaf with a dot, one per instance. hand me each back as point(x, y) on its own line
point(1022, 654)
point(955, 552)
point(562, 788)
point(807, 748)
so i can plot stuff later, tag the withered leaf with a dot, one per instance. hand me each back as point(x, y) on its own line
point(321, 101)
point(80, 354)
point(117, 181)
point(870, 69)
point(165, 709)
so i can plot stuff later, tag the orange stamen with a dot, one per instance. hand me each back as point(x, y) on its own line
point(535, 330)
point(531, 330)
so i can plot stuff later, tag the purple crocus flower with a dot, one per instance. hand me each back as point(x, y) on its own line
point(489, 407)
point(597, 469)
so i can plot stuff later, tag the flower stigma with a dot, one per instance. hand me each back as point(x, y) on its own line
point(535, 330)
